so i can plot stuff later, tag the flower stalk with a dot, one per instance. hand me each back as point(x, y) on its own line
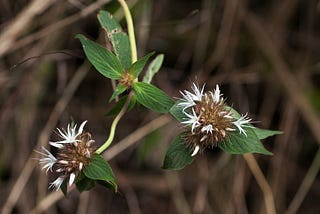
point(131, 34)
point(114, 125)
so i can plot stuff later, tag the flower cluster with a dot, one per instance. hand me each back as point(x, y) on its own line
point(75, 151)
point(209, 118)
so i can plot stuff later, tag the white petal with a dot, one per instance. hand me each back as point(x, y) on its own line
point(195, 151)
point(47, 161)
point(207, 128)
point(71, 179)
point(81, 127)
point(56, 183)
point(241, 122)
point(216, 96)
point(193, 120)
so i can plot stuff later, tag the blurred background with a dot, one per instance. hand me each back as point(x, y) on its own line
point(263, 54)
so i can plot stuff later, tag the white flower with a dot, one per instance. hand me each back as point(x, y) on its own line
point(56, 184)
point(207, 128)
point(241, 122)
point(216, 96)
point(69, 136)
point(47, 161)
point(190, 98)
point(193, 120)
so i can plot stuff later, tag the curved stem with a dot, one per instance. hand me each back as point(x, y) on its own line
point(132, 39)
point(114, 125)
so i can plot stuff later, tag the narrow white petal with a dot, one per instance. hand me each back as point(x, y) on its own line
point(241, 122)
point(81, 127)
point(56, 183)
point(195, 151)
point(216, 96)
point(80, 166)
point(47, 161)
point(71, 179)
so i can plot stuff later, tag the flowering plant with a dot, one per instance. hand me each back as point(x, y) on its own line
point(206, 119)
point(209, 122)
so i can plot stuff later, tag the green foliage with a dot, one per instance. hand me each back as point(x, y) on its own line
point(64, 188)
point(136, 68)
point(118, 39)
point(264, 133)
point(118, 106)
point(177, 111)
point(178, 155)
point(99, 171)
point(120, 88)
point(83, 183)
point(102, 59)
point(152, 97)
point(237, 143)
point(153, 68)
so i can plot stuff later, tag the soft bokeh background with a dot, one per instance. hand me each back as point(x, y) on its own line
point(264, 54)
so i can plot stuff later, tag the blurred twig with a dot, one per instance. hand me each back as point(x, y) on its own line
point(135, 136)
point(54, 27)
point(20, 23)
point(261, 180)
point(305, 185)
point(178, 196)
point(282, 71)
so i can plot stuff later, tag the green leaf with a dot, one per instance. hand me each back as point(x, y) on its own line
point(120, 89)
point(264, 133)
point(99, 170)
point(64, 187)
point(118, 106)
point(177, 111)
point(136, 68)
point(237, 143)
point(118, 39)
point(152, 97)
point(153, 68)
point(178, 155)
point(102, 59)
point(83, 183)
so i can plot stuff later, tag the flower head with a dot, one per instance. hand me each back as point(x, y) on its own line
point(75, 151)
point(210, 119)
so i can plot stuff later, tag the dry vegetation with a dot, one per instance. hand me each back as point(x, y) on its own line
point(264, 54)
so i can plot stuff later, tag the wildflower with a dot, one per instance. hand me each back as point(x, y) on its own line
point(210, 119)
point(75, 151)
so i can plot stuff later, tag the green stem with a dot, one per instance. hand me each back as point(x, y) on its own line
point(114, 125)
point(134, 58)
point(132, 39)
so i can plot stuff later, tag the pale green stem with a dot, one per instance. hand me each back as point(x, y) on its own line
point(114, 125)
point(134, 58)
point(132, 39)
